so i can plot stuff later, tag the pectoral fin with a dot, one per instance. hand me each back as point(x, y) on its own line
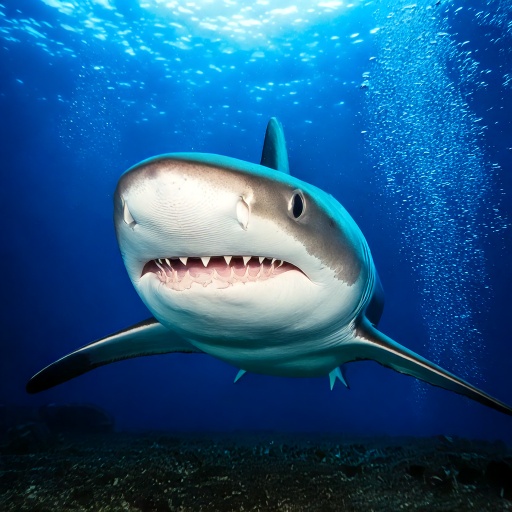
point(372, 344)
point(142, 339)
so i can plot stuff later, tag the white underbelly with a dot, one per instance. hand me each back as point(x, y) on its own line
point(284, 357)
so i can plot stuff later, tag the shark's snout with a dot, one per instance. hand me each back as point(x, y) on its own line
point(242, 212)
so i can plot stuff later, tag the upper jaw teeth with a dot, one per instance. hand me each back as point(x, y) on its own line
point(205, 260)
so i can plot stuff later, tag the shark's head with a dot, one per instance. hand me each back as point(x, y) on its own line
point(211, 242)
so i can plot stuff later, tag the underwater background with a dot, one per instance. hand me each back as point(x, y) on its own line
point(400, 110)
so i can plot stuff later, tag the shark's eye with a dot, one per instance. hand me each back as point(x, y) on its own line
point(297, 204)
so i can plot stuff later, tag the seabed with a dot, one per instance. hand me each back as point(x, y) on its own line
point(249, 472)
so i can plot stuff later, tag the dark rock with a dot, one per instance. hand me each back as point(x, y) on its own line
point(416, 471)
point(351, 471)
point(499, 475)
point(468, 475)
point(151, 504)
point(27, 438)
point(320, 454)
point(442, 481)
point(13, 415)
point(77, 418)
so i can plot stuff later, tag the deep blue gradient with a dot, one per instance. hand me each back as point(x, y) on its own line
point(77, 109)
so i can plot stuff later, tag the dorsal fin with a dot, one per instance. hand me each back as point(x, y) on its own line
point(274, 154)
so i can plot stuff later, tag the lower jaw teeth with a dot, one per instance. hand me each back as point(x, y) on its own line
point(175, 282)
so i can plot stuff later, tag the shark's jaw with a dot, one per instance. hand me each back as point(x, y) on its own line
point(219, 272)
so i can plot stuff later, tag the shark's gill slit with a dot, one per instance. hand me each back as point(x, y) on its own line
point(219, 271)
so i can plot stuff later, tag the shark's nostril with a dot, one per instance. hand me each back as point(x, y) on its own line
point(127, 216)
point(242, 213)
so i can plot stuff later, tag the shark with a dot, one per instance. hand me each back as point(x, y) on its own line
point(250, 265)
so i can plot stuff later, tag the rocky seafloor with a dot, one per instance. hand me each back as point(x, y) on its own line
point(161, 472)
point(58, 469)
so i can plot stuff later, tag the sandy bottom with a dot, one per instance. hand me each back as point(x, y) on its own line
point(164, 472)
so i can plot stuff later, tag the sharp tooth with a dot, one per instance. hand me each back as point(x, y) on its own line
point(261, 258)
point(205, 260)
point(228, 259)
point(273, 261)
point(160, 260)
point(167, 261)
point(183, 260)
point(160, 266)
point(280, 263)
point(246, 259)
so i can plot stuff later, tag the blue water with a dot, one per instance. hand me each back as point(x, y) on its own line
point(399, 110)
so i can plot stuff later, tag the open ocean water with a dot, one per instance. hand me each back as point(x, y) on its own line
point(401, 110)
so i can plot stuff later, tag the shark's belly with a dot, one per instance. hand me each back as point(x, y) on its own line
point(295, 356)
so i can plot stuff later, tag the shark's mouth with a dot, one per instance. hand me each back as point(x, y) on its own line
point(218, 271)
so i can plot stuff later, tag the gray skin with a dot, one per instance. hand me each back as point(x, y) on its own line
point(305, 322)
